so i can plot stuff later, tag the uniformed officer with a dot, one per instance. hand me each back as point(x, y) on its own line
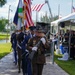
point(14, 44)
point(32, 31)
point(23, 54)
point(26, 63)
point(27, 69)
point(39, 56)
point(20, 38)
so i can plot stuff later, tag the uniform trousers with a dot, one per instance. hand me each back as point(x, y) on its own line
point(15, 55)
point(19, 59)
point(26, 66)
point(37, 69)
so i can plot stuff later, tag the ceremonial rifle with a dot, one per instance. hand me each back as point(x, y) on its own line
point(33, 52)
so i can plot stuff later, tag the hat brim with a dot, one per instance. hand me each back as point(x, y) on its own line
point(40, 31)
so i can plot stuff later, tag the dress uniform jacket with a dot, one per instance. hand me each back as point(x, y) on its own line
point(26, 65)
point(14, 44)
point(39, 56)
point(13, 40)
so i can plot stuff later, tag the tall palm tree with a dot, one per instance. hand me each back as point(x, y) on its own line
point(2, 2)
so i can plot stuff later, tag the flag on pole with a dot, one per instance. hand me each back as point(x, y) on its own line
point(27, 14)
point(18, 15)
point(15, 20)
point(73, 8)
point(20, 9)
point(37, 7)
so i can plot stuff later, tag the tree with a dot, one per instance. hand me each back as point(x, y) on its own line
point(3, 23)
point(2, 2)
point(55, 17)
point(45, 18)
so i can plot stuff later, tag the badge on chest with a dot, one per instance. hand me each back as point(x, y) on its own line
point(34, 42)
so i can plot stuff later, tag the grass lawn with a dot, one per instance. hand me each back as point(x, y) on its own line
point(5, 49)
point(68, 66)
point(4, 36)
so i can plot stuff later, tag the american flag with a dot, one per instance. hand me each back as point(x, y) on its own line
point(27, 14)
point(73, 8)
point(37, 7)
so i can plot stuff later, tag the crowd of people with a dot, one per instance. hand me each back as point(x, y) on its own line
point(70, 35)
point(23, 44)
point(67, 41)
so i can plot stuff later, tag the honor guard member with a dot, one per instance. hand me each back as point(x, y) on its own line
point(22, 42)
point(27, 69)
point(20, 38)
point(14, 44)
point(39, 56)
point(32, 31)
point(27, 63)
point(27, 33)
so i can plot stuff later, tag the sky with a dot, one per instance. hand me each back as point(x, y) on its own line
point(65, 8)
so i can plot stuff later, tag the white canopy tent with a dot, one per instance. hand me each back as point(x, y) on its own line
point(64, 19)
point(67, 19)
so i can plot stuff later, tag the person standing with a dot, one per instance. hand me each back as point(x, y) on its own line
point(72, 49)
point(39, 56)
point(32, 31)
point(74, 45)
point(14, 44)
point(23, 53)
point(20, 47)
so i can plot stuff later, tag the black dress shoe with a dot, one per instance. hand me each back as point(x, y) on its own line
point(19, 71)
point(15, 63)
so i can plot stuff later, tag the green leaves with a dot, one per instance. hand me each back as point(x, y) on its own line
point(2, 2)
point(3, 23)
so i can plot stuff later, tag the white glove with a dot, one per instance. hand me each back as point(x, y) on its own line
point(26, 50)
point(34, 49)
point(43, 40)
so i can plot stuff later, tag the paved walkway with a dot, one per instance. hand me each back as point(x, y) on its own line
point(7, 67)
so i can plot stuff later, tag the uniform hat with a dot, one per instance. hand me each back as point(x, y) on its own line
point(32, 28)
point(40, 29)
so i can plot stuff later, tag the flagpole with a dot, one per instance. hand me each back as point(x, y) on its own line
point(36, 17)
point(23, 20)
point(72, 7)
point(46, 1)
point(8, 21)
point(58, 10)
